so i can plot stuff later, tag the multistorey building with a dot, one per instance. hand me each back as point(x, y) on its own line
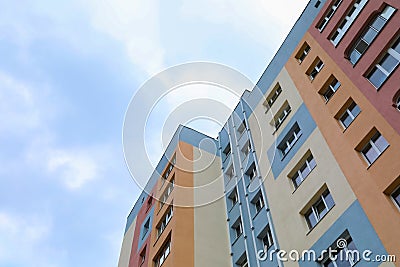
point(308, 158)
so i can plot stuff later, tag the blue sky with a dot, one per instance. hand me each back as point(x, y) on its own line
point(68, 70)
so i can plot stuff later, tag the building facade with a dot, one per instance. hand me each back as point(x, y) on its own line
point(308, 159)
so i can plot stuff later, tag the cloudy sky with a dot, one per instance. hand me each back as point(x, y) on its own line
point(68, 70)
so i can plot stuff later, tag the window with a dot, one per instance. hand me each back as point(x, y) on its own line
point(164, 221)
point(233, 197)
point(273, 96)
point(321, 25)
point(386, 65)
point(282, 115)
point(304, 170)
point(304, 51)
point(349, 114)
point(345, 24)
point(398, 103)
point(246, 149)
point(227, 152)
point(163, 254)
point(290, 139)
point(343, 257)
point(169, 168)
point(318, 210)
point(230, 172)
point(266, 238)
point(243, 262)
point(259, 203)
point(167, 192)
point(396, 196)
point(146, 227)
point(142, 257)
point(242, 127)
point(315, 68)
point(237, 228)
point(374, 147)
point(369, 34)
point(330, 88)
point(252, 172)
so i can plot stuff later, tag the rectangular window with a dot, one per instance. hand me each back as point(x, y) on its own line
point(381, 72)
point(251, 172)
point(303, 52)
point(290, 139)
point(164, 221)
point(163, 254)
point(349, 114)
point(246, 150)
point(169, 168)
point(315, 68)
point(322, 24)
point(242, 128)
point(348, 20)
point(227, 152)
point(318, 210)
point(233, 197)
point(167, 192)
point(304, 170)
point(266, 238)
point(142, 257)
point(271, 98)
point(342, 256)
point(237, 228)
point(230, 172)
point(330, 88)
point(282, 115)
point(369, 34)
point(259, 203)
point(146, 227)
point(396, 197)
point(374, 148)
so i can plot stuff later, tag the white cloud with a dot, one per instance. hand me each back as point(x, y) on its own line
point(135, 23)
point(22, 240)
point(75, 168)
point(18, 109)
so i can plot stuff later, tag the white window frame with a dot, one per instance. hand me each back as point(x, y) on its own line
point(304, 53)
point(246, 150)
point(242, 128)
point(316, 70)
point(273, 96)
point(370, 26)
point(268, 236)
point(234, 198)
point(387, 74)
point(259, 203)
point(230, 172)
point(398, 103)
point(299, 174)
point(331, 88)
point(289, 145)
point(347, 21)
point(314, 211)
point(164, 254)
point(238, 228)
point(397, 204)
point(350, 114)
point(345, 251)
point(322, 23)
point(165, 220)
point(374, 147)
point(282, 116)
point(252, 174)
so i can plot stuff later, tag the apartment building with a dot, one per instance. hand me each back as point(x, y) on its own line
point(308, 158)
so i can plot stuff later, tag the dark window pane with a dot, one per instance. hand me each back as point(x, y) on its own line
point(329, 200)
point(396, 46)
point(377, 77)
point(320, 208)
point(361, 46)
point(355, 110)
point(346, 119)
point(312, 162)
point(396, 196)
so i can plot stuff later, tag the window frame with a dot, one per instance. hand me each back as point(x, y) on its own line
point(378, 66)
point(328, 15)
point(298, 173)
point(315, 69)
point(294, 132)
point(350, 114)
point(163, 254)
point(313, 209)
point(393, 198)
point(303, 52)
point(367, 30)
point(279, 119)
point(273, 96)
point(371, 143)
point(344, 24)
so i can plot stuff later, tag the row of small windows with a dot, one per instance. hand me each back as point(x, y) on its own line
point(389, 61)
